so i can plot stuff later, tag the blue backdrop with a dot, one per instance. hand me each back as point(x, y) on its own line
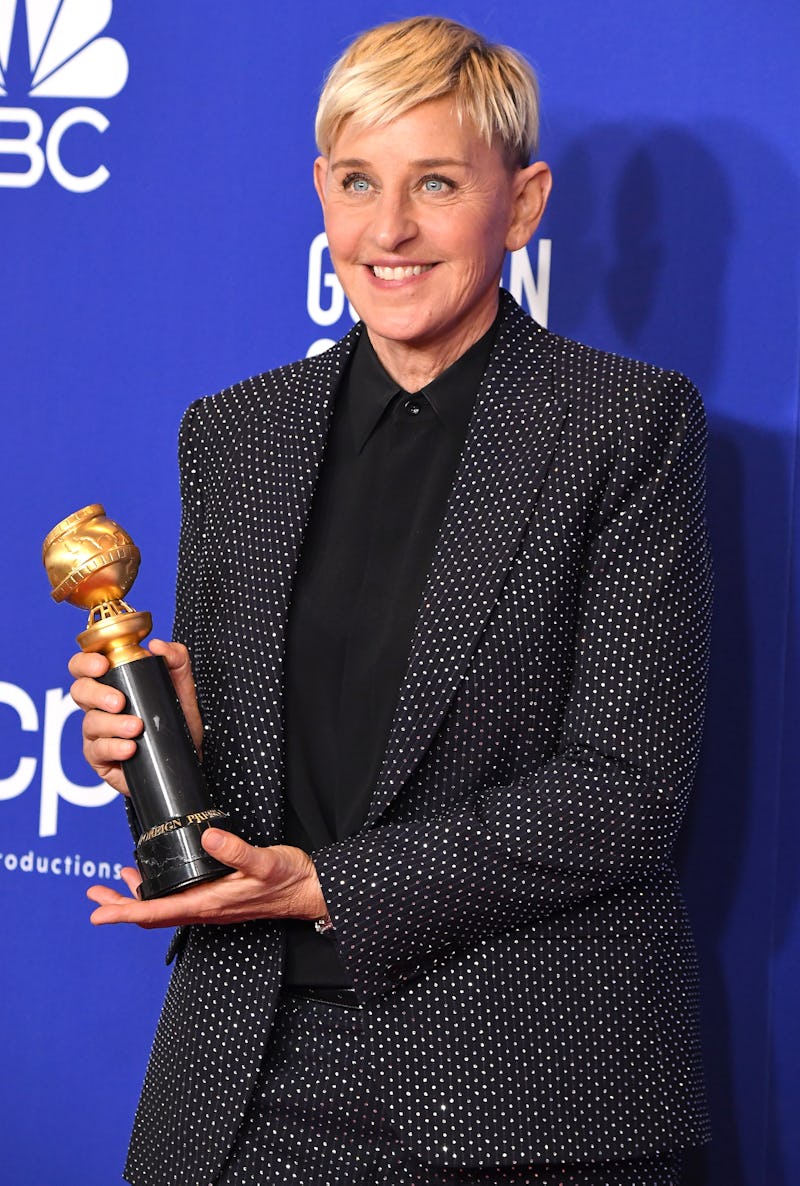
point(160, 239)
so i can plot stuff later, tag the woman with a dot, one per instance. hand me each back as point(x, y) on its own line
point(445, 592)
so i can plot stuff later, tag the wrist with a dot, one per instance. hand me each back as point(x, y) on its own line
point(308, 900)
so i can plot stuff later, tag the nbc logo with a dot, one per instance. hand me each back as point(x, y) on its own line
point(52, 49)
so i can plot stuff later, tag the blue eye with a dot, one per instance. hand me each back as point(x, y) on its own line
point(434, 185)
point(356, 182)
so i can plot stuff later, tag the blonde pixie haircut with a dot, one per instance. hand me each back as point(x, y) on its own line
point(394, 67)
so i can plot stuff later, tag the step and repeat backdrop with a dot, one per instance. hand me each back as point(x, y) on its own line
point(160, 238)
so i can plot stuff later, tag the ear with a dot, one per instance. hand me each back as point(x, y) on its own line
point(320, 178)
point(530, 193)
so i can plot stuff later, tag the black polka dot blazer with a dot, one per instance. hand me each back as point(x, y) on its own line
point(509, 912)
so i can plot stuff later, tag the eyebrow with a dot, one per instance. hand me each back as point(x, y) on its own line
point(424, 163)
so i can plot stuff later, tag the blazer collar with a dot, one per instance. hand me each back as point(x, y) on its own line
point(511, 438)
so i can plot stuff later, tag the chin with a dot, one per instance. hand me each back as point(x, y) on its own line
point(405, 333)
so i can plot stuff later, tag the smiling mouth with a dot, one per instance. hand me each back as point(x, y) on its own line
point(399, 273)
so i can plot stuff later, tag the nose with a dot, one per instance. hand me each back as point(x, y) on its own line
point(393, 220)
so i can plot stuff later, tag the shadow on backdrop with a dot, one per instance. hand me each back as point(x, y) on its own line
point(642, 221)
point(653, 256)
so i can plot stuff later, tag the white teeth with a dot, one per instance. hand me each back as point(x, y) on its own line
point(400, 273)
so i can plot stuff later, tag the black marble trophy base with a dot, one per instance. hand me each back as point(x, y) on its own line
point(169, 798)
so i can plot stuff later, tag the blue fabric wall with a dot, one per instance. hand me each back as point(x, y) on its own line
point(672, 235)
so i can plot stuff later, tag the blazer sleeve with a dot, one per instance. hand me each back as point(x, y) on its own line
point(604, 810)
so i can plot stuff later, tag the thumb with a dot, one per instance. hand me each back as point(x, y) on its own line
point(229, 849)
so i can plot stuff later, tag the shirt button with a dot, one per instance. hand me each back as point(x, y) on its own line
point(412, 407)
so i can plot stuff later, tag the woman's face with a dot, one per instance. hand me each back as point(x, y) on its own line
point(419, 215)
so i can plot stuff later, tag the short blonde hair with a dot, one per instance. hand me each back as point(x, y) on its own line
point(394, 67)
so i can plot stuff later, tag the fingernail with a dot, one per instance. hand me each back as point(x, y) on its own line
point(214, 839)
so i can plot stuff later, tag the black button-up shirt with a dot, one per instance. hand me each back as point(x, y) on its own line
point(387, 471)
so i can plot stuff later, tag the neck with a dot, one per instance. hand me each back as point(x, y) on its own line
point(414, 366)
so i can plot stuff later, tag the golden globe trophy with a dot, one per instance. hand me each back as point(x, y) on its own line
point(92, 563)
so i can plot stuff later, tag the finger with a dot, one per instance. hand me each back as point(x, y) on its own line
point(118, 910)
point(232, 850)
point(111, 902)
point(108, 753)
point(104, 895)
point(88, 693)
point(89, 664)
point(198, 903)
point(107, 758)
point(104, 752)
point(175, 654)
point(114, 907)
point(98, 724)
point(133, 879)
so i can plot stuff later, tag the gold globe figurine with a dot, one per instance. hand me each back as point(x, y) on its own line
point(92, 563)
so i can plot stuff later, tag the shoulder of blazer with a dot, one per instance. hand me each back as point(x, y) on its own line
point(610, 387)
point(615, 406)
point(290, 390)
point(582, 367)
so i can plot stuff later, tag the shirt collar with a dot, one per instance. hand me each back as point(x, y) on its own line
point(370, 388)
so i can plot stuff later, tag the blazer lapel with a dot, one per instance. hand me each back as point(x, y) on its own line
point(281, 452)
point(512, 434)
point(289, 442)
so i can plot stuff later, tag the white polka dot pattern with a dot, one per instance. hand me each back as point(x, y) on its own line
point(509, 913)
point(314, 1121)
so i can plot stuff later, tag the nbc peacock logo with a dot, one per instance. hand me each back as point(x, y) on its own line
point(53, 49)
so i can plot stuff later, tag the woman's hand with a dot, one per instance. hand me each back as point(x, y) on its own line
point(275, 882)
point(109, 735)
